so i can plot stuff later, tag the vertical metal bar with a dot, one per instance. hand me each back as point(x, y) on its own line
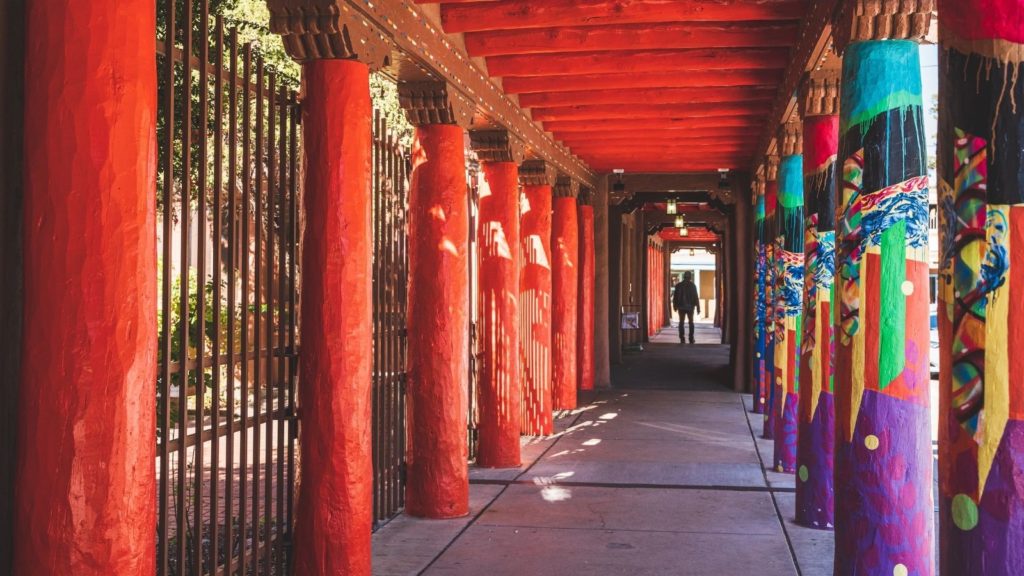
point(293, 253)
point(232, 359)
point(258, 295)
point(198, 454)
point(183, 306)
point(282, 286)
point(243, 248)
point(269, 399)
point(377, 373)
point(163, 548)
point(218, 228)
point(389, 344)
point(402, 319)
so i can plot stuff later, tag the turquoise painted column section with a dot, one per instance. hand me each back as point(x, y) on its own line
point(789, 288)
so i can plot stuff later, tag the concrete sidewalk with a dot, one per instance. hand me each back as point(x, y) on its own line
point(662, 475)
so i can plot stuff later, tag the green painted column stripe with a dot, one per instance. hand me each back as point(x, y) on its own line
point(893, 314)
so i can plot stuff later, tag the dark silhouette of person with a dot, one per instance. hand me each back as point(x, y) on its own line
point(684, 300)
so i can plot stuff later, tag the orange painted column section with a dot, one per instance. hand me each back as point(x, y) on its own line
point(336, 494)
point(498, 241)
point(585, 313)
point(438, 481)
point(85, 479)
point(535, 310)
point(565, 279)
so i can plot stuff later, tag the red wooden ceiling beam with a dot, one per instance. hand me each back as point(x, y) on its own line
point(648, 96)
point(562, 128)
point(600, 112)
point(656, 79)
point(624, 62)
point(654, 166)
point(659, 140)
point(662, 151)
point(630, 37)
point(515, 14)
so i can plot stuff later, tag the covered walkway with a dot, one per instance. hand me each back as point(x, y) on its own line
point(660, 475)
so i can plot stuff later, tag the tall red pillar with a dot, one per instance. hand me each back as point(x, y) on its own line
point(498, 240)
point(438, 473)
point(565, 278)
point(336, 494)
point(85, 479)
point(535, 298)
point(585, 312)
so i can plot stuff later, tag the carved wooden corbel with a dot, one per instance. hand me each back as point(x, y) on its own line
point(819, 93)
point(791, 138)
point(327, 29)
point(862, 20)
point(427, 103)
point(566, 187)
point(497, 146)
point(537, 173)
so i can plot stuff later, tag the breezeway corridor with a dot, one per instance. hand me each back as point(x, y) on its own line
point(661, 475)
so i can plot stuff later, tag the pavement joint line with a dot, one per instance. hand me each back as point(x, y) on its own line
point(639, 531)
point(613, 485)
point(489, 504)
point(775, 503)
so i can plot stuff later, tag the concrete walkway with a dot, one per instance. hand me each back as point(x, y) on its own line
point(661, 475)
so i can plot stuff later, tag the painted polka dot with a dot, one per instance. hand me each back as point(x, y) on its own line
point(965, 512)
point(900, 570)
point(803, 473)
point(908, 288)
point(758, 354)
point(871, 442)
point(779, 380)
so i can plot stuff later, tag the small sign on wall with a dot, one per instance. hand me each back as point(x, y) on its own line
point(630, 320)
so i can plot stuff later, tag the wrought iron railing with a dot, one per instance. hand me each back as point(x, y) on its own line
point(228, 182)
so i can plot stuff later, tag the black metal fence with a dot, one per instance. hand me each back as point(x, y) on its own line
point(390, 280)
point(227, 211)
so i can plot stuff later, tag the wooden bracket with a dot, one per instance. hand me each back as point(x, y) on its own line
point(537, 173)
point(497, 146)
point(427, 103)
point(862, 20)
point(327, 29)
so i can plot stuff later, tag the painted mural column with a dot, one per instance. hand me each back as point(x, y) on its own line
point(760, 306)
point(883, 459)
point(499, 402)
point(981, 310)
point(819, 105)
point(585, 310)
point(789, 285)
point(564, 283)
point(438, 475)
point(85, 475)
point(771, 200)
point(536, 177)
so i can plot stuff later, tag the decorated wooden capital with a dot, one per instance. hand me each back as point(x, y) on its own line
point(566, 187)
point(862, 20)
point(327, 29)
point(819, 93)
point(428, 103)
point(791, 138)
point(586, 196)
point(771, 164)
point(496, 146)
point(537, 173)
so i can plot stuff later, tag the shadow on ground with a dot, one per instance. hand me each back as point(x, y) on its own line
point(666, 364)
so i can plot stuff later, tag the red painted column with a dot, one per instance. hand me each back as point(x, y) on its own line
point(336, 494)
point(498, 238)
point(565, 279)
point(535, 310)
point(85, 479)
point(438, 484)
point(585, 322)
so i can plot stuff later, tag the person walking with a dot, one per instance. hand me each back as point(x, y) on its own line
point(684, 300)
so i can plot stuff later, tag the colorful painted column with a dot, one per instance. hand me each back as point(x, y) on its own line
point(585, 338)
point(337, 352)
point(771, 200)
point(85, 475)
point(537, 178)
point(760, 306)
point(438, 475)
point(565, 281)
point(883, 460)
point(499, 401)
point(789, 286)
point(815, 498)
point(981, 309)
